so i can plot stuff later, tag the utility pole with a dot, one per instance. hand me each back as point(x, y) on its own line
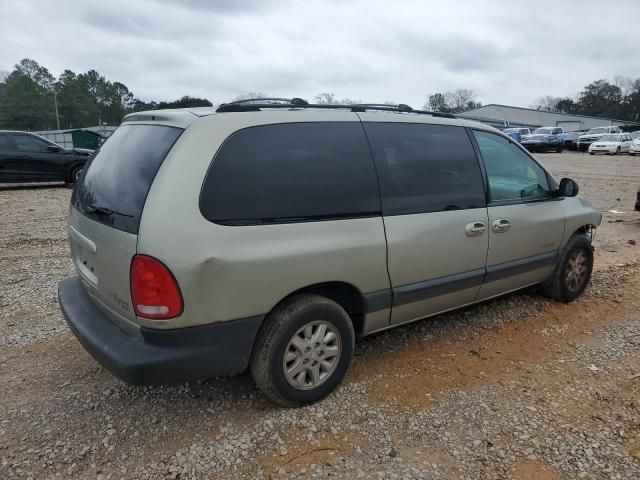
point(55, 102)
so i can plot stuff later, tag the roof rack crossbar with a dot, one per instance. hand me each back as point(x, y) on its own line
point(248, 106)
point(261, 99)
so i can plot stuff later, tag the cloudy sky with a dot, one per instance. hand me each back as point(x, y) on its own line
point(509, 52)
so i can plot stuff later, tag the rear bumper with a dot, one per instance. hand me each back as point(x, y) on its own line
point(157, 356)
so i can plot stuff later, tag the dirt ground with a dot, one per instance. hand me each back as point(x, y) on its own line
point(520, 387)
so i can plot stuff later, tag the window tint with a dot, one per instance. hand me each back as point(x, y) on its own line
point(425, 168)
point(291, 172)
point(512, 174)
point(27, 143)
point(115, 184)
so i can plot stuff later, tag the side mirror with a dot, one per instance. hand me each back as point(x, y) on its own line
point(568, 188)
point(53, 148)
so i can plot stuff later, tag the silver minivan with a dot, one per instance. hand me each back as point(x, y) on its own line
point(269, 236)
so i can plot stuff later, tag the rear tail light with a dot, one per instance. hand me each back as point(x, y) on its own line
point(154, 291)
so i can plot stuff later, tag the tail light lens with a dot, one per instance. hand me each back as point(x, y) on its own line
point(154, 291)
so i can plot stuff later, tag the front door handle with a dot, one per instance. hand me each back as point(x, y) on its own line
point(475, 229)
point(501, 225)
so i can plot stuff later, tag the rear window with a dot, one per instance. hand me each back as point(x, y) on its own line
point(117, 179)
point(291, 173)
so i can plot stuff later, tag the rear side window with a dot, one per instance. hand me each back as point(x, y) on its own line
point(291, 172)
point(425, 168)
point(116, 182)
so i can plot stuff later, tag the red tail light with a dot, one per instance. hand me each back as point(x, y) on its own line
point(154, 291)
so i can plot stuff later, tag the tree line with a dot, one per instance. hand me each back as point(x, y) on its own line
point(31, 98)
point(619, 99)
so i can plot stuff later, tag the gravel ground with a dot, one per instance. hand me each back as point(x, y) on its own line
point(517, 388)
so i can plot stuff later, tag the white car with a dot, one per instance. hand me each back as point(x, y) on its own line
point(612, 143)
point(635, 143)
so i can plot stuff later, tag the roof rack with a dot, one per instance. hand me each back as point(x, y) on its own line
point(257, 104)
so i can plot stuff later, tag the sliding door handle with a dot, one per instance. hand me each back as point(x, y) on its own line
point(474, 229)
point(501, 225)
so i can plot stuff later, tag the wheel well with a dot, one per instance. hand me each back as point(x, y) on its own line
point(585, 230)
point(344, 294)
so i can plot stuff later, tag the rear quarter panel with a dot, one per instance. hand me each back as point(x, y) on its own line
point(230, 272)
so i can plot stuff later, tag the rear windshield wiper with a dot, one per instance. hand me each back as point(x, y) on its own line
point(105, 211)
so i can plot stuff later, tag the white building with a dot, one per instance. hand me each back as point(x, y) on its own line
point(502, 116)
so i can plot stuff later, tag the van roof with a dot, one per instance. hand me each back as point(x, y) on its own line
point(183, 117)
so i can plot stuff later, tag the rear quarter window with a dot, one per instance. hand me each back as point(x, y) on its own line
point(289, 173)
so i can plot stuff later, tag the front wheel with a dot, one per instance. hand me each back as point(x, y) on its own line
point(617, 150)
point(573, 271)
point(303, 350)
point(75, 174)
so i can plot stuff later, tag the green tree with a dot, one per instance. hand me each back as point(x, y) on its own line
point(600, 98)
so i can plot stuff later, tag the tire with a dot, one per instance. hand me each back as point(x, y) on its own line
point(75, 174)
point(591, 153)
point(292, 320)
point(562, 285)
point(617, 151)
point(560, 149)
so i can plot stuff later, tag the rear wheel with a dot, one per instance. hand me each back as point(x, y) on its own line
point(303, 350)
point(573, 271)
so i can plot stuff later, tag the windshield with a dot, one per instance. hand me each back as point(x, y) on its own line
point(635, 135)
point(115, 184)
point(610, 138)
point(597, 130)
point(542, 131)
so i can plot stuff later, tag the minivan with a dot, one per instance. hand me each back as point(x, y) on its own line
point(270, 235)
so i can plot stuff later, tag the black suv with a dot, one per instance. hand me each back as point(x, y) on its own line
point(25, 157)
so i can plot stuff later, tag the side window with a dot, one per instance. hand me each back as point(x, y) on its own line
point(27, 143)
point(512, 174)
point(425, 168)
point(291, 172)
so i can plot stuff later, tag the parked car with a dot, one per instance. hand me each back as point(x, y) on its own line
point(638, 200)
point(545, 139)
point(523, 132)
point(25, 157)
point(593, 134)
point(270, 236)
point(515, 135)
point(571, 140)
point(634, 148)
point(611, 144)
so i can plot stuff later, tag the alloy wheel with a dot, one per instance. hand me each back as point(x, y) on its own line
point(576, 271)
point(312, 355)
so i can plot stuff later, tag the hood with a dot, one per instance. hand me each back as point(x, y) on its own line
point(538, 138)
point(82, 151)
point(607, 144)
point(591, 136)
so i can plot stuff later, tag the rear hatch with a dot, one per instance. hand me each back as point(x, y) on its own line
point(106, 207)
